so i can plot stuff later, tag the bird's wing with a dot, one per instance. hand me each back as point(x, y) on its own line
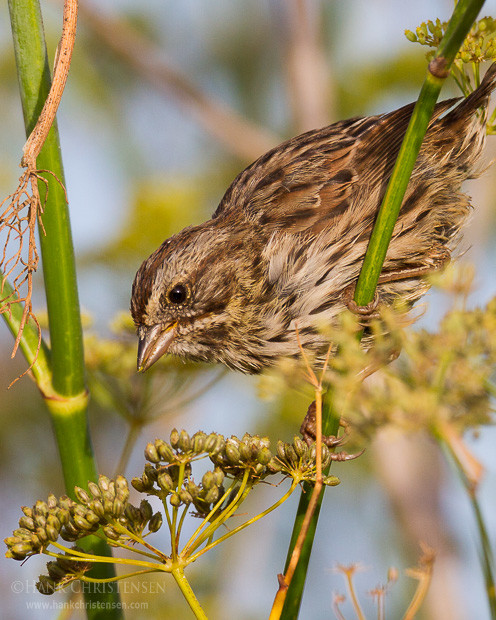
point(309, 182)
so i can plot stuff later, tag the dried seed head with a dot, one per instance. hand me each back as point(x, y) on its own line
point(155, 522)
point(165, 482)
point(82, 495)
point(184, 443)
point(198, 440)
point(174, 438)
point(165, 451)
point(46, 585)
point(104, 483)
point(145, 510)
point(94, 490)
point(151, 453)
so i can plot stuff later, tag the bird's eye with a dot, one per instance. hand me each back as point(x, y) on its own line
point(178, 294)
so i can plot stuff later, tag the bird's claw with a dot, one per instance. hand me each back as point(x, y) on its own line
point(367, 312)
point(308, 431)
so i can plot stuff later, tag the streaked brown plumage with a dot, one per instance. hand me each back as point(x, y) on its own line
point(290, 234)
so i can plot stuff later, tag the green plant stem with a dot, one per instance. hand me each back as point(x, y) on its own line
point(330, 426)
point(133, 431)
point(461, 21)
point(213, 543)
point(214, 524)
point(208, 519)
point(42, 374)
point(67, 397)
point(486, 556)
point(188, 593)
point(59, 270)
point(485, 550)
point(459, 25)
point(96, 559)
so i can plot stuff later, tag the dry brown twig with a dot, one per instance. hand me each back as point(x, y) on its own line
point(317, 384)
point(21, 209)
point(423, 574)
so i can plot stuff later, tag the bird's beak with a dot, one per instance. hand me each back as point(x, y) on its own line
point(153, 343)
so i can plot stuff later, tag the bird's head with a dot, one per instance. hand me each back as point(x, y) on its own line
point(185, 296)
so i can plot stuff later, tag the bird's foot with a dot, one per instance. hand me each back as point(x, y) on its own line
point(308, 431)
point(367, 312)
point(439, 257)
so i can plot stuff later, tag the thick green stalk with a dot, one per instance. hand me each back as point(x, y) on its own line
point(69, 439)
point(460, 23)
point(66, 397)
point(330, 426)
point(189, 595)
point(56, 245)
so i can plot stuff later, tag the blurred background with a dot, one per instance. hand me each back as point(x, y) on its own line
point(166, 102)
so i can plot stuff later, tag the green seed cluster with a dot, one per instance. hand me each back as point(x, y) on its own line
point(40, 525)
point(168, 473)
point(479, 45)
point(61, 572)
point(183, 448)
point(250, 454)
point(105, 506)
point(300, 457)
point(428, 33)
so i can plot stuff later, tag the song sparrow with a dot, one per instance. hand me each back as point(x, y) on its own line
point(289, 236)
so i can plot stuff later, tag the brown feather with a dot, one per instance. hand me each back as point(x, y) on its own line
point(290, 234)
